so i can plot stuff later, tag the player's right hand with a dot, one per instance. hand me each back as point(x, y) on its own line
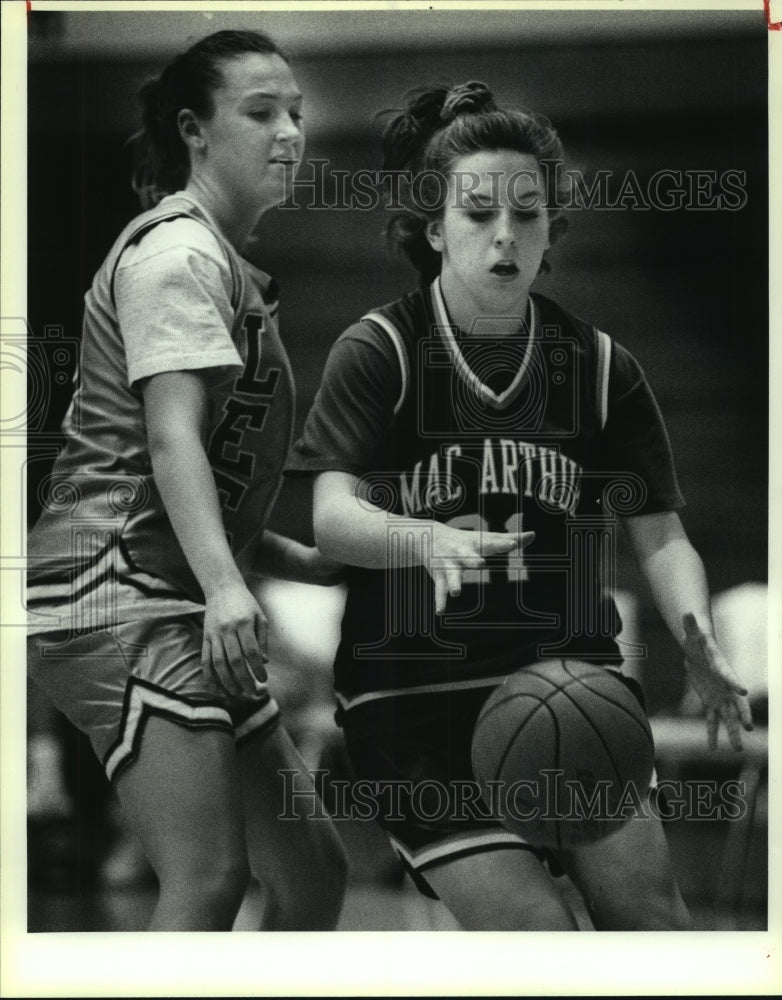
point(234, 651)
point(455, 550)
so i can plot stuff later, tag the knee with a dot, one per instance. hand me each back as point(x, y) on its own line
point(656, 909)
point(546, 915)
point(310, 897)
point(225, 882)
point(322, 885)
point(213, 885)
point(664, 911)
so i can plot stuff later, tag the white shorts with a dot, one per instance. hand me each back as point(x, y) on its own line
point(109, 681)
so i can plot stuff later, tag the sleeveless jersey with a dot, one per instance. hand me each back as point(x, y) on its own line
point(493, 434)
point(104, 550)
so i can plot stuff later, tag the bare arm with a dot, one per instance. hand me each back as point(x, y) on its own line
point(677, 579)
point(349, 528)
point(673, 570)
point(234, 625)
point(287, 559)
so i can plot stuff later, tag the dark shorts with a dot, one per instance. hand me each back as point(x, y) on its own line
point(412, 752)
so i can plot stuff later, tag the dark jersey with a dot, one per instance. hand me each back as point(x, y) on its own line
point(553, 431)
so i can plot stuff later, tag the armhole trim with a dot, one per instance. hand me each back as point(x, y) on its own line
point(603, 369)
point(237, 279)
point(396, 339)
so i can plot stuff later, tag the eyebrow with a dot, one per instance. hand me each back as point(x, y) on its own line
point(273, 96)
point(473, 200)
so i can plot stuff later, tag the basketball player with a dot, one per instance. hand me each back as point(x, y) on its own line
point(144, 629)
point(454, 428)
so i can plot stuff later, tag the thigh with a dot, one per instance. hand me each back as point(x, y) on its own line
point(282, 805)
point(501, 890)
point(628, 880)
point(412, 755)
point(292, 844)
point(181, 795)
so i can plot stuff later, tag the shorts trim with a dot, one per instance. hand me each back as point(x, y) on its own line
point(419, 862)
point(459, 846)
point(143, 699)
point(347, 702)
point(262, 719)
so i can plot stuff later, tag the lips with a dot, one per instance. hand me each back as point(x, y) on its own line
point(505, 269)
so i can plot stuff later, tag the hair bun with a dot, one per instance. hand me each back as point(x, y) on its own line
point(467, 98)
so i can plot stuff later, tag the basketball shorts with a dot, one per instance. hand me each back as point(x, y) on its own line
point(108, 682)
point(411, 752)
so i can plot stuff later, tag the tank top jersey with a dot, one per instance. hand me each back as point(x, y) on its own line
point(553, 431)
point(103, 549)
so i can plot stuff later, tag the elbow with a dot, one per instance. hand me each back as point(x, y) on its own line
point(162, 451)
point(165, 443)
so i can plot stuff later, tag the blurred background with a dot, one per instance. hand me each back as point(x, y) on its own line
point(684, 290)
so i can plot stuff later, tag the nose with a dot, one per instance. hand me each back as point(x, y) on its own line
point(289, 129)
point(504, 233)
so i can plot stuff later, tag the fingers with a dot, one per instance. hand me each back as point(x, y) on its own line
point(236, 659)
point(440, 592)
point(744, 713)
point(730, 718)
point(470, 551)
point(215, 662)
point(736, 716)
point(734, 733)
point(712, 727)
point(252, 660)
point(495, 543)
point(448, 576)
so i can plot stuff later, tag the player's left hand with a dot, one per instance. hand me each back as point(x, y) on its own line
point(723, 695)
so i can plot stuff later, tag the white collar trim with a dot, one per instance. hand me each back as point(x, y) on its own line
point(446, 329)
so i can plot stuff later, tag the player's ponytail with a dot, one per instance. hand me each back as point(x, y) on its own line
point(428, 111)
point(161, 159)
point(439, 125)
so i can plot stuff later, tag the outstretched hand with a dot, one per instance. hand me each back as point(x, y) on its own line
point(456, 550)
point(723, 695)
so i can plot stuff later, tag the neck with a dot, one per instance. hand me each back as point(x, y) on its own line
point(237, 221)
point(474, 320)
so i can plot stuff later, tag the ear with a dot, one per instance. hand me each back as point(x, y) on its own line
point(434, 233)
point(189, 128)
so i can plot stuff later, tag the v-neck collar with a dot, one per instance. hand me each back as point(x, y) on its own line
point(447, 331)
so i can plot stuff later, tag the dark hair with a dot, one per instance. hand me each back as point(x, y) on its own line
point(441, 124)
point(161, 162)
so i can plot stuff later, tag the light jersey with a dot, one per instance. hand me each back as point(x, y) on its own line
point(554, 430)
point(171, 295)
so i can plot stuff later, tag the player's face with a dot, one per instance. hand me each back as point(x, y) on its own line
point(254, 140)
point(492, 234)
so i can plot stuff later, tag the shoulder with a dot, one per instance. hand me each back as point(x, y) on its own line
point(388, 330)
point(551, 314)
point(591, 337)
point(174, 240)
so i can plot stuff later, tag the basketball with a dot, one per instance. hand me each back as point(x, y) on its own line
point(563, 753)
